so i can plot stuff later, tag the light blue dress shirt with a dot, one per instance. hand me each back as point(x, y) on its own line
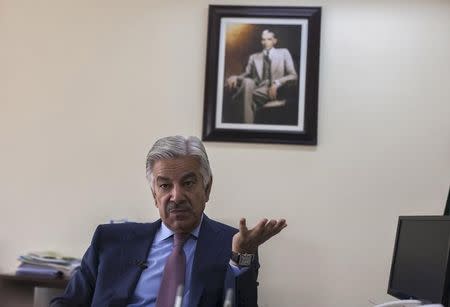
point(147, 287)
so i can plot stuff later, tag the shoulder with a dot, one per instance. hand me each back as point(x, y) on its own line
point(122, 231)
point(282, 51)
point(253, 56)
point(123, 227)
point(220, 227)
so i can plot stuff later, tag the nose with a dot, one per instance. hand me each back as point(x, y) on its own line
point(177, 194)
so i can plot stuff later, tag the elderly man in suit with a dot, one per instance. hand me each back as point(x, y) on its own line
point(134, 264)
point(265, 73)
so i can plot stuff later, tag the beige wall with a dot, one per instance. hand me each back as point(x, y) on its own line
point(87, 86)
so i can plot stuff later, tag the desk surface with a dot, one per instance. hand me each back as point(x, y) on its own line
point(36, 281)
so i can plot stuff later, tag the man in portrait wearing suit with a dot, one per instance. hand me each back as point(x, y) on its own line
point(134, 264)
point(266, 72)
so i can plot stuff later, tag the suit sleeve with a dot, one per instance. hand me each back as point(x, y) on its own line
point(249, 69)
point(290, 73)
point(80, 290)
point(245, 285)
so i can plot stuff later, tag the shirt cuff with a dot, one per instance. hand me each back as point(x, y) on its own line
point(237, 270)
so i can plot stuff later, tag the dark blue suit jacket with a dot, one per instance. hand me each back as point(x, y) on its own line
point(110, 268)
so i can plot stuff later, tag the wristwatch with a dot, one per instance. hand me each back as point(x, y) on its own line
point(243, 260)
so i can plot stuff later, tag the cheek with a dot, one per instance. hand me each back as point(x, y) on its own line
point(198, 202)
point(161, 201)
point(162, 205)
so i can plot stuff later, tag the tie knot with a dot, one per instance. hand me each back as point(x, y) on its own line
point(180, 238)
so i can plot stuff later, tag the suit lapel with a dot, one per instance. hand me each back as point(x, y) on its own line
point(259, 64)
point(209, 245)
point(276, 63)
point(135, 249)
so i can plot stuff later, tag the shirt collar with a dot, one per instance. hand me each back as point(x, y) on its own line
point(269, 51)
point(165, 232)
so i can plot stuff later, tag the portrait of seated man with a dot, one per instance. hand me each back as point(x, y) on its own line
point(144, 264)
point(267, 73)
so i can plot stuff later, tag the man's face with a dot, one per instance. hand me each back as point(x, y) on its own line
point(268, 40)
point(179, 192)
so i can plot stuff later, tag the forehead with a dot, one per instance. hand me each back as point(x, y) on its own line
point(267, 35)
point(175, 168)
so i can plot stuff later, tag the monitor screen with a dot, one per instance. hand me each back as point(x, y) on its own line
point(420, 262)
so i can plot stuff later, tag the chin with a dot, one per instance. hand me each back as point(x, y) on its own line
point(183, 225)
point(181, 221)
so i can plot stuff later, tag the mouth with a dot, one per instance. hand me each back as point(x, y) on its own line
point(179, 211)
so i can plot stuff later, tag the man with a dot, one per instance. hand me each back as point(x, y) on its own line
point(135, 264)
point(265, 73)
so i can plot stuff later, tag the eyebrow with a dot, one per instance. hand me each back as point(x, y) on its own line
point(161, 178)
point(184, 177)
point(189, 175)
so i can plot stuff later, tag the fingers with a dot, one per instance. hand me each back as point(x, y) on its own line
point(273, 92)
point(270, 225)
point(232, 82)
point(260, 227)
point(279, 226)
point(273, 227)
point(248, 240)
point(264, 228)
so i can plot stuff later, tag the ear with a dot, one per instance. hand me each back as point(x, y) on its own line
point(275, 41)
point(208, 189)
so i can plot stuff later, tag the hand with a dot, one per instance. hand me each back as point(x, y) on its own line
point(248, 240)
point(232, 81)
point(273, 92)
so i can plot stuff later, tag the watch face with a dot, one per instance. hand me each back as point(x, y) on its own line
point(245, 259)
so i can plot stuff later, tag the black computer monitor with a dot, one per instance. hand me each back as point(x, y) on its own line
point(447, 206)
point(420, 265)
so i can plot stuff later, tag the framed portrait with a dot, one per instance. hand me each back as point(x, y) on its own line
point(262, 74)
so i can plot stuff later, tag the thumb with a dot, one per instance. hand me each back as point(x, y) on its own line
point(242, 226)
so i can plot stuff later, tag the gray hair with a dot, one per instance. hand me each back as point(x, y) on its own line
point(269, 31)
point(173, 147)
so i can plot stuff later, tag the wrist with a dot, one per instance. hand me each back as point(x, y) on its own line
point(244, 249)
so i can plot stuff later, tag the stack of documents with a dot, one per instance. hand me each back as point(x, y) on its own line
point(47, 264)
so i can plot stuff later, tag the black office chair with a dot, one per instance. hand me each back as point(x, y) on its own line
point(284, 110)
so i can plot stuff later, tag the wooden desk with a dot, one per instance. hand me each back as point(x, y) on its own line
point(27, 291)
